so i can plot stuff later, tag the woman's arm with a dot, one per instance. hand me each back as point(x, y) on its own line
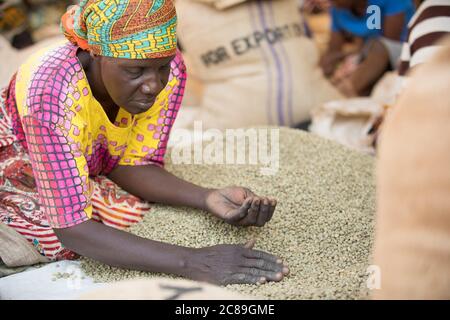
point(393, 26)
point(333, 54)
point(362, 79)
point(122, 249)
point(236, 205)
point(221, 264)
point(154, 184)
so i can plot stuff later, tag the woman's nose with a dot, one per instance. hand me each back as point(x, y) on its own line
point(152, 86)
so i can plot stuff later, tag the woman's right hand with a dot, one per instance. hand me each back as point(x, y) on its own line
point(235, 264)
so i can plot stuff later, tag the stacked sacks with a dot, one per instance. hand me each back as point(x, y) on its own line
point(252, 64)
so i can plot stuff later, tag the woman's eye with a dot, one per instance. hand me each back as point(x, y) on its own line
point(135, 72)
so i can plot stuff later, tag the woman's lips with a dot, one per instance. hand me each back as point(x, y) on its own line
point(144, 105)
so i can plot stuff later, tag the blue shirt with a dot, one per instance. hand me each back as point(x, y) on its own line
point(345, 20)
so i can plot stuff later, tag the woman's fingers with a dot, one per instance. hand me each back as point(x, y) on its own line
point(273, 204)
point(260, 212)
point(262, 260)
point(246, 265)
point(252, 215)
point(264, 212)
point(255, 211)
point(246, 278)
point(242, 212)
point(257, 254)
point(259, 273)
point(263, 265)
point(259, 270)
point(266, 269)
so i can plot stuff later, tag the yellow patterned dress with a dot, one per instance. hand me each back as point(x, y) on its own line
point(52, 126)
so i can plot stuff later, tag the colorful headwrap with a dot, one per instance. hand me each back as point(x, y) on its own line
point(133, 29)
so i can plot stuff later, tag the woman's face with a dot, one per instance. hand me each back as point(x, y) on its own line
point(134, 84)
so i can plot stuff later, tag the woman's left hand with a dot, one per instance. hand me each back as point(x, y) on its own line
point(239, 206)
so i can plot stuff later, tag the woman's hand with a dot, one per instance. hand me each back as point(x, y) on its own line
point(239, 206)
point(229, 264)
point(330, 60)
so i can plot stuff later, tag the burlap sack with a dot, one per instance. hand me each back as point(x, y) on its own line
point(413, 218)
point(11, 58)
point(256, 65)
point(15, 250)
point(387, 89)
point(161, 289)
point(7, 54)
point(356, 122)
point(348, 122)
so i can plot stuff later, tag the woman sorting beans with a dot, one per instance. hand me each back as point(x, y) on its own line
point(84, 126)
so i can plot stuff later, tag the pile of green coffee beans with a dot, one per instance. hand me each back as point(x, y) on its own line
point(323, 225)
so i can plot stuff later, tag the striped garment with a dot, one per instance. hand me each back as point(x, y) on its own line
point(429, 24)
